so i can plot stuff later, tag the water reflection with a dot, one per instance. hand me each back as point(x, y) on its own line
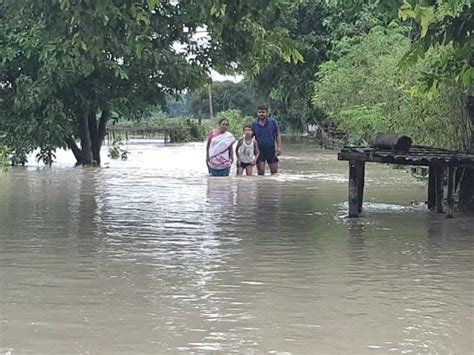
point(220, 196)
point(267, 206)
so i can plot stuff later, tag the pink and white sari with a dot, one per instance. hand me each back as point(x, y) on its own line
point(219, 150)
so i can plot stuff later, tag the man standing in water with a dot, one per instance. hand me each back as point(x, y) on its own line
point(267, 134)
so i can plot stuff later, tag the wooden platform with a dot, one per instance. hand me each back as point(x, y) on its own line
point(439, 162)
point(169, 134)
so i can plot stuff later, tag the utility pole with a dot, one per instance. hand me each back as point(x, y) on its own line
point(211, 111)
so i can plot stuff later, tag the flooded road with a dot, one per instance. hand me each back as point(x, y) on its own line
point(150, 256)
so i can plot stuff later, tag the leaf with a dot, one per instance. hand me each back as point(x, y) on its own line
point(426, 16)
point(297, 56)
point(467, 77)
point(139, 49)
point(152, 4)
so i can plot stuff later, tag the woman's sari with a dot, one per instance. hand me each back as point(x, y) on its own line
point(219, 150)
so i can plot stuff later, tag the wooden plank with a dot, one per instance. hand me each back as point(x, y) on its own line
point(352, 156)
point(450, 197)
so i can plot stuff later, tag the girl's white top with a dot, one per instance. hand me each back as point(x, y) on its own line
point(247, 151)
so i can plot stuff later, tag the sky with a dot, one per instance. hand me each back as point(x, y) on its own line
point(219, 77)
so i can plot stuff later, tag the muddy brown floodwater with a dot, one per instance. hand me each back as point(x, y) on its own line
point(150, 255)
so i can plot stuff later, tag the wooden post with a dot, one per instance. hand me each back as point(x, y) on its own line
point(439, 175)
point(450, 198)
point(356, 187)
point(431, 188)
point(361, 174)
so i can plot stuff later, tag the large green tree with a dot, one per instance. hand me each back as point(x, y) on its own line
point(364, 92)
point(68, 66)
point(289, 86)
point(447, 26)
point(439, 56)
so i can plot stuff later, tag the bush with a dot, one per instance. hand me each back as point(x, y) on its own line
point(117, 151)
point(236, 121)
point(198, 132)
point(364, 92)
point(5, 158)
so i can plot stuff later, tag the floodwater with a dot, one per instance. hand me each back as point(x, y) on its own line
point(150, 256)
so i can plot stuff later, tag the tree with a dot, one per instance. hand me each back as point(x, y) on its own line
point(226, 95)
point(178, 107)
point(447, 25)
point(364, 92)
point(67, 67)
point(236, 121)
point(289, 86)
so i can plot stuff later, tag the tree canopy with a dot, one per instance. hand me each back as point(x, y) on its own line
point(226, 95)
point(289, 86)
point(68, 66)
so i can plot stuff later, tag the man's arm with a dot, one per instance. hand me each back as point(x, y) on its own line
point(277, 138)
point(256, 153)
point(279, 146)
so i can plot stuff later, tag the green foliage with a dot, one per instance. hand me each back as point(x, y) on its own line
point(236, 121)
point(288, 87)
point(5, 158)
point(198, 132)
point(179, 106)
point(46, 155)
point(446, 26)
point(352, 19)
point(65, 65)
point(157, 119)
point(362, 122)
point(365, 93)
point(117, 151)
point(226, 95)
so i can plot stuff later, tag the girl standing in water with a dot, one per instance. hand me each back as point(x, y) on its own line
point(219, 153)
point(247, 152)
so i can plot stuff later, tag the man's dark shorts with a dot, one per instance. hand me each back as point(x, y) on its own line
point(267, 154)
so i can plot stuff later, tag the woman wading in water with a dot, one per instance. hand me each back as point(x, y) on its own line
point(219, 153)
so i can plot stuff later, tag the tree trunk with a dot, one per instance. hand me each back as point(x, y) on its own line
point(104, 118)
point(92, 135)
point(98, 132)
point(86, 143)
point(71, 143)
point(466, 192)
